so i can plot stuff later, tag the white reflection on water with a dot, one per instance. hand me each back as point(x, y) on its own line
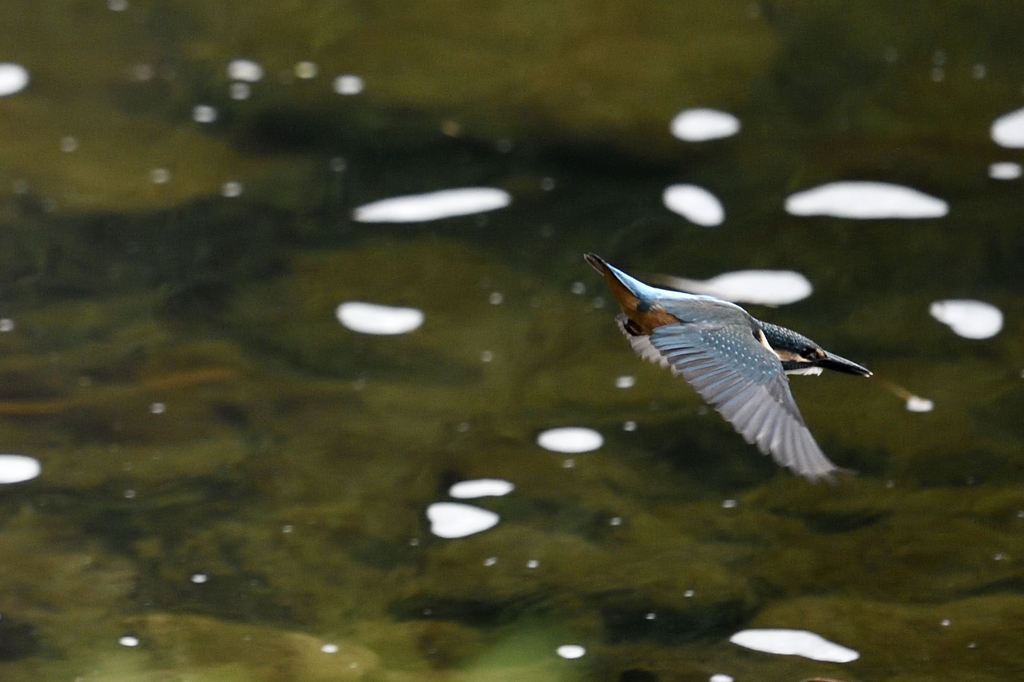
point(698, 125)
point(765, 287)
point(865, 200)
point(231, 189)
point(570, 439)
point(348, 84)
point(13, 78)
point(794, 643)
point(18, 468)
point(456, 520)
point(571, 651)
point(967, 318)
point(916, 403)
point(239, 91)
point(481, 487)
point(371, 318)
point(245, 70)
point(1008, 130)
point(625, 381)
point(306, 70)
point(142, 72)
point(1004, 170)
point(694, 203)
point(204, 113)
point(447, 203)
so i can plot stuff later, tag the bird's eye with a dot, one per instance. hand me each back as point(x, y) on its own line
point(813, 354)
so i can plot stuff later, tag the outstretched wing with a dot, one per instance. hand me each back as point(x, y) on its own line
point(745, 382)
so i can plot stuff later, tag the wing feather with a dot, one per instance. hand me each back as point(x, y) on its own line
point(744, 381)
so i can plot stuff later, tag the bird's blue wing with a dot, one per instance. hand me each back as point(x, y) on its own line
point(741, 378)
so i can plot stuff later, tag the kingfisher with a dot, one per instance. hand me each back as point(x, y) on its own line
point(736, 363)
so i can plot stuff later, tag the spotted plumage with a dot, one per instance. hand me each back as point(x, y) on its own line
point(735, 362)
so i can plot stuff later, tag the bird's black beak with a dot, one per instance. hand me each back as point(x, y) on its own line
point(596, 262)
point(839, 364)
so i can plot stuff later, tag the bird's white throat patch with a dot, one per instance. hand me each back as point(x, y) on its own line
point(809, 371)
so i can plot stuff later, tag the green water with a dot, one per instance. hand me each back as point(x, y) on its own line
point(232, 479)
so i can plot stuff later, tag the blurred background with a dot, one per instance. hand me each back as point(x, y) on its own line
point(275, 276)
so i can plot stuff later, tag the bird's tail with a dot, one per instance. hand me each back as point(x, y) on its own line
point(629, 291)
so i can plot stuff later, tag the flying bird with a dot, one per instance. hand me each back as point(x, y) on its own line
point(736, 363)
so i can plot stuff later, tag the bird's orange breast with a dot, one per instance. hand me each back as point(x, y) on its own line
point(643, 319)
point(647, 321)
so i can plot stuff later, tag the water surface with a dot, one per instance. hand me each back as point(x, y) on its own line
point(240, 408)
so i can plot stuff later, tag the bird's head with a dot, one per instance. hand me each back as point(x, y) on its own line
point(800, 355)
